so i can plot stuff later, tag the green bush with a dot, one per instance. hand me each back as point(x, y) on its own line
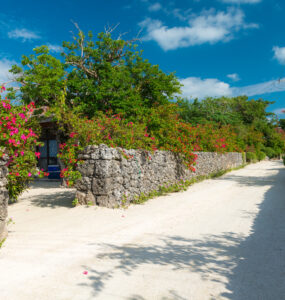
point(283, 157)
point(260, 155)
point(269, 152)
point(243, 157)
point(251, 157)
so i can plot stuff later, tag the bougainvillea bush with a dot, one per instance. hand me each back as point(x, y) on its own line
point(160, 130)
point(19, 138)
point(107, 129)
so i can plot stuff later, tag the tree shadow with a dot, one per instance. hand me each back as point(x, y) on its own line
point(254, 265)
point(260, 272)
point(212, 255)
point(49, 194)
point(54, 200)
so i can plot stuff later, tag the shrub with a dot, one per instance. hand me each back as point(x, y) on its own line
point(283, 157)
point(111, 130)
point(260, 155)
point(19, 138)
point(251, 157)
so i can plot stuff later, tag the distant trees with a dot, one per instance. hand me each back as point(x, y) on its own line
point(255, 127)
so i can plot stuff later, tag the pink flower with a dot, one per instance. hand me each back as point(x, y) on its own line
point(85, 272)
point(23, 137)
point(37, 154)
point(29, 174)
point(22, 116)
point(73, 134)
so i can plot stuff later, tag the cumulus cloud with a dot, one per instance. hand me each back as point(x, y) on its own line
point(5, 66)
point(195, 87)
point(209, 27)
point(241, 1)
point(233, 77)
point(155, 7)
point(23, 34)
point(279, 54)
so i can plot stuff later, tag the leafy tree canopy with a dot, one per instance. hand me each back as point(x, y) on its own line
point(98, 75)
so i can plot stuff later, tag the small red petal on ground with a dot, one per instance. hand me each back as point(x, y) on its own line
point(123, 216)
point(85, 272)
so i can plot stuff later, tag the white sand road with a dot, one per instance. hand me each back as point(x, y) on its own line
point(221, 239)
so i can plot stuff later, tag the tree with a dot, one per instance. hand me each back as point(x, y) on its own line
point(102, 74)
point(40, 76)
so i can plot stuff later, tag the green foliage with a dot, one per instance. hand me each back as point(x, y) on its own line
point(110, 74)
point(270, 152)
point(2, 243)
point(251, 157)
point(254, 126)
point(282, 123)
point(99, 74)
point(283, 159)
point(260, 155)
point(244, 157)
point(75, 202)
point(41, 78)
point(224, 110)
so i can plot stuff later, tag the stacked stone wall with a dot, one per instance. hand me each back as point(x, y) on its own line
point(111, 175)
point(3, 196)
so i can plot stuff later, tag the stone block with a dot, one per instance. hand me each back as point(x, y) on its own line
point(101, 186)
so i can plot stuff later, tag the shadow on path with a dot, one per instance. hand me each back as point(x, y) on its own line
point(253, 265)
point(260, 272)
point(49, 194)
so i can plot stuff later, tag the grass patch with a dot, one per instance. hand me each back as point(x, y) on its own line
point(2, 242)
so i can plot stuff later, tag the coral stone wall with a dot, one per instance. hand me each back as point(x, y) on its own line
point(3, 196)
point(111, 175)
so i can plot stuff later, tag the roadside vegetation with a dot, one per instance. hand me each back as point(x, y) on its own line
point(102, 90)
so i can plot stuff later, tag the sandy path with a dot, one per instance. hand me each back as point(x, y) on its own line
point(221, 239)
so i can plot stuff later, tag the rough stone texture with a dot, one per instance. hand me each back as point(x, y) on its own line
point(110, 176)
point(3, 196)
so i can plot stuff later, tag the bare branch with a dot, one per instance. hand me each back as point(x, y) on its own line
point(110, 29)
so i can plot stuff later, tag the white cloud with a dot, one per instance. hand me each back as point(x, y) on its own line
point(208, 27)
point(5, 66)
point(279, 54)
point(233, 77)
point(241, 1)
point(23, 34)
point(155, 7)
point(260, 88)
point(55, 48)
point(195, 87)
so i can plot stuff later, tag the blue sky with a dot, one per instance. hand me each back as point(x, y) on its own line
point(216, 47)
